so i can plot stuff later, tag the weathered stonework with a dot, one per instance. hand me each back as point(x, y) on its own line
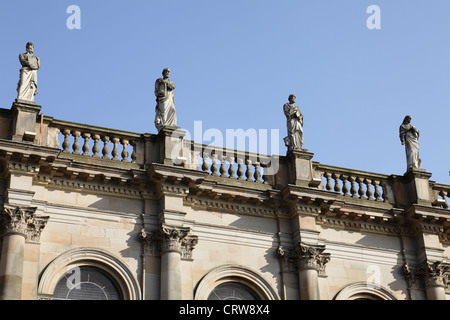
point(22, 221)
point(168, 218)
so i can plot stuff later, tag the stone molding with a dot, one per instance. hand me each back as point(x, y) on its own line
point(169, 239)
point(22, 221)
point(304, 257)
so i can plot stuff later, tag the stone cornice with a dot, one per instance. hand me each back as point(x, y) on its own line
point(22, 221)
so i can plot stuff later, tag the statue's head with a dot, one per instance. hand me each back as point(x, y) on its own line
point(30, 47)
point(166, 72)
point(292, 98)
point(407, 119)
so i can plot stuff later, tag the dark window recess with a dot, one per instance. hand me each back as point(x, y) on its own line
point(86, 283)
point(232, 291)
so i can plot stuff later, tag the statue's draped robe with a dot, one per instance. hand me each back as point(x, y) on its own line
point(294, 118)
point(27, 86)
point(165, 104)
point(410, 136)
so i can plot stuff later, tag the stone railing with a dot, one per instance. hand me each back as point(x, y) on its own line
point(231, 164)
point(441, 194)
point(97, 142)
point(356, 184)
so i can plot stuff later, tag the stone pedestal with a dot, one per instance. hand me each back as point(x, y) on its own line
point(24, 118)
point(417, 189)
point(300, 168)
point(171, 146)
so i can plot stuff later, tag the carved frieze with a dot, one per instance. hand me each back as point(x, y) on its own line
point(23, 221)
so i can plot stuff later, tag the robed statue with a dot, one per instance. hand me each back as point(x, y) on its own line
point(409, 137)
point(294, 118)
point(27, 85)
point(165, 113)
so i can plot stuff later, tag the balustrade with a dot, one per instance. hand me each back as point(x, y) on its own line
point(442, 193)
point(231, 164)
point(354, 184)
point(106, 144)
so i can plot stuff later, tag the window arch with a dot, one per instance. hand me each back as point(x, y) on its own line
point(234, 282)
point(86, 283)
point(102, 264)
point(364, 291)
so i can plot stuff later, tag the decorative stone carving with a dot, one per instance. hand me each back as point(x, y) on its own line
point(409, 137)
point(303, 257)
point(437, 274)
point(22, 221)
point(165, 102)
point(169, 239)
point(27, 85)
point(288, 257)
point(294, 139)
point(431, 274)
point(312, 257)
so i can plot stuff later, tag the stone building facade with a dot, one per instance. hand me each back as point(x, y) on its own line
point(91, 212)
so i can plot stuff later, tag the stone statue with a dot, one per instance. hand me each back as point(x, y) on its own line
point(27, 86)
point(294, 140)
point(409, 136)
point(165, 102)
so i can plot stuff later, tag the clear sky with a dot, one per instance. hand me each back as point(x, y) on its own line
point(234, 64)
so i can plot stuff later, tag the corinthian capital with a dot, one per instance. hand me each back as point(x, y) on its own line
point(312, 257)
point(169, 239)
point(23, 221)
point(437, 274)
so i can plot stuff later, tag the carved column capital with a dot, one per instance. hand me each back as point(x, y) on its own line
point(303, 257)
point(437, 274)
point(312, 257)
point(23, 221)
point(288, 258)
point(433, 274)
point(169, 239)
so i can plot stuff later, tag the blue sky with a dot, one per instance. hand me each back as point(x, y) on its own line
point(234, 64)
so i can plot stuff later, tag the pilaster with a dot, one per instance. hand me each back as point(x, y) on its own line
point(309, 261)
point(19, 225)
point(173, 244)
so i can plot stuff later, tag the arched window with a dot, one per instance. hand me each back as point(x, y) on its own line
point(364, 291)
point(88, 273)
point(86, 283)
point(232, 291)
point(235, 282)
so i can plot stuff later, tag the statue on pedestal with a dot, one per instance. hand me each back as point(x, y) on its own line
point(409, 136)
point(294, 140)
point(27, 85)
point(165, 102)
